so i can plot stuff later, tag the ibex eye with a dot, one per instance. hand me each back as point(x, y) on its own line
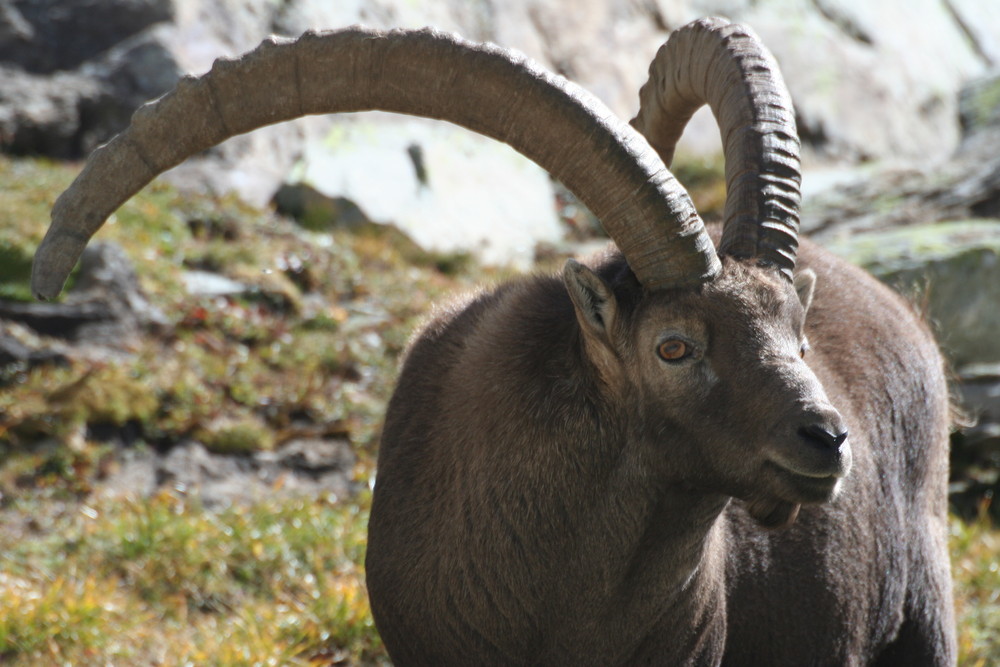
point(803, 349)
point(673, 349)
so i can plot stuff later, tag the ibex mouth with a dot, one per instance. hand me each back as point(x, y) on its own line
point(805, 487)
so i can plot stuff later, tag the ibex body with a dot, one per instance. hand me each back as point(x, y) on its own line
point(584, 470)
point(553, 491)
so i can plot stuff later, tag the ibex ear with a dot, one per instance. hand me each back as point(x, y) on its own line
point(595, 303)
point(805, 283)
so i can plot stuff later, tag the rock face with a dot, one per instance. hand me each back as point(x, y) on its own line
point(932, 229)
point(299, 468)
point(435, 183)
point(878, 80)
point(44, 36)
point(966, 185)
point(72, 71)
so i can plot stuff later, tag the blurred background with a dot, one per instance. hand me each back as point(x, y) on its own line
point(187, 438)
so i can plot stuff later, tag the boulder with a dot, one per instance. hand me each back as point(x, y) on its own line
point(43, 114)
point(436, 183)
point(67, 114)
point(104, 306)
point(951, 270)
point(45, 36)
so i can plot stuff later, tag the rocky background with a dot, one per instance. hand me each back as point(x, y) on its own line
point(898, 106)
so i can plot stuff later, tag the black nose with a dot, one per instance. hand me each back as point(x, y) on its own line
point(820, 434)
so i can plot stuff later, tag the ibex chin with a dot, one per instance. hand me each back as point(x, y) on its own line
point(641, 461)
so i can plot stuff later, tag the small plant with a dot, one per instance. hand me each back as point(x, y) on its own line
point(240, 434)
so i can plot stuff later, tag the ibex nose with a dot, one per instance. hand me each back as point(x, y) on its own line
point(827, 435)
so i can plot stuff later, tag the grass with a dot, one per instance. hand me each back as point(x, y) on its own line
point(275, 583)
point(164, 581)
point(975, 562)
point(318, 309)
point(309, 348)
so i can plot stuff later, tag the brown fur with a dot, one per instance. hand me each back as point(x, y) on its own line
point(550, 492)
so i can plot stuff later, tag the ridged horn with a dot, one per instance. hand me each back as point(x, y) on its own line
point(482, 87)
point(726, 66)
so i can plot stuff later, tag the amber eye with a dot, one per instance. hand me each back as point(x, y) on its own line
point(803, 349)
point(673, 349)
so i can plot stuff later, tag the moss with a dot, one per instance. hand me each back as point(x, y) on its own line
point(974, 546)
point(313, 340)
point(980, 104)
point(236, 434)
point(913, 246)
point(15, 272)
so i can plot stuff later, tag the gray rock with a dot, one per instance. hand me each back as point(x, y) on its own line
point(980, 387)
point(874, 80)
point(975, 459)
point(206, 283)
point(311, 456)
point(438, 184)
point(951, 269)
point(306, 467)
point(107, 279)
point(44, 36)
point(104, 307)
point(44, 114)
point(874, 198)
point(215, 479)
point(69, 113)
point(19, 352)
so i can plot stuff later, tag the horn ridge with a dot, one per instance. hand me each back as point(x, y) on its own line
point(726, 66)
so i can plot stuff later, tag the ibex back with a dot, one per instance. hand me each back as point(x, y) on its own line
point(679, 455)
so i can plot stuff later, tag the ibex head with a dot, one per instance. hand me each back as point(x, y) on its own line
point(701, 343)
point(716, 382)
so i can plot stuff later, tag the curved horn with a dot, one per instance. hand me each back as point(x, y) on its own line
point(490, 90)
point(726, 65)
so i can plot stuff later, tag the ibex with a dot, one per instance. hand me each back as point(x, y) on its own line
point(643, 461)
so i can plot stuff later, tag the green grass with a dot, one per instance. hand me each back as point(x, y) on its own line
point(274, 583)
point(975, 561)
point(310, 349)
point(225, 366)
point(280, 582)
